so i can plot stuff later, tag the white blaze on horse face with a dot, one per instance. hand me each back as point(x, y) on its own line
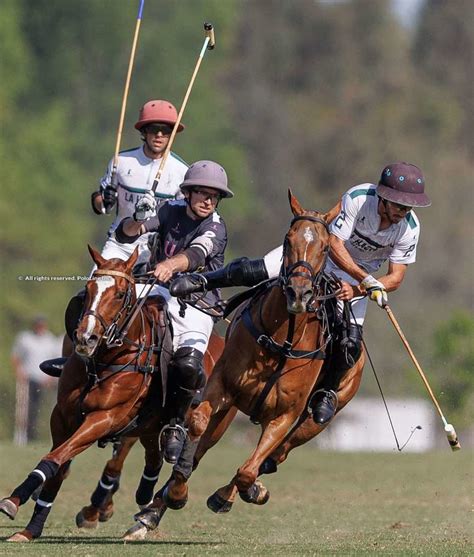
point(103, 283)
point(308, 237)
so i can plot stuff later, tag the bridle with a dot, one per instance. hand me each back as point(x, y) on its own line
point(315, 277)
point(111, 328)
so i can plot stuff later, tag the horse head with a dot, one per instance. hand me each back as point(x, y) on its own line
point(305, 251)
point(110, 293)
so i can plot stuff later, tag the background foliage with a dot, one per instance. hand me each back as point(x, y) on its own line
point(313, 95)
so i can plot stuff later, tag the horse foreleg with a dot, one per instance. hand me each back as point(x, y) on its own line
point(272, 435)
point(42, 508)
point(307, 429)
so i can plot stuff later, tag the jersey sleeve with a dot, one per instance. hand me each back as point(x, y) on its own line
point(404, 250)
point(106, 179)
point(343, 225)
point(211, 239)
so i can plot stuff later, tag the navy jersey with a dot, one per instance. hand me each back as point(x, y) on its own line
point(176, 231)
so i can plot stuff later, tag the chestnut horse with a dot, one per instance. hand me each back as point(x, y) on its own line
point(269, 368)
point(104, 383)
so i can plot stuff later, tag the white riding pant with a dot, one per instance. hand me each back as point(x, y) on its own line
point(194, 329)
point(273, 261)
point(113, 249)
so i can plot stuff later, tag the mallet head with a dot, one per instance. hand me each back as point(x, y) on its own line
point(209, 31)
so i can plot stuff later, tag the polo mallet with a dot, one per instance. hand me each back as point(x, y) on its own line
point(124, 100)
point(448, 428)
point(209, 44)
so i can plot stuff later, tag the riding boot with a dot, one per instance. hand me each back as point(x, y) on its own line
point(187, 378)
point(346, 352)
point(240, 272)
point(174, 435)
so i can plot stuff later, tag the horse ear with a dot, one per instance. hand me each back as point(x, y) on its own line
point(294, 204)
point(98, 259)
point(332, 213)
point(132, 259)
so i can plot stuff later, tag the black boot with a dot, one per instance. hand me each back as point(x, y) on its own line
point(240, 272)
point(187, 376)
point(323, 405)
point(346, 351)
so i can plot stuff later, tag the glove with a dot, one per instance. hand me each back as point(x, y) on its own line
point(375, 290)
point(145, 208)
point(109, 196)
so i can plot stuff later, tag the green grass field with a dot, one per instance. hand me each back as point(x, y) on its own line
point(321, 504)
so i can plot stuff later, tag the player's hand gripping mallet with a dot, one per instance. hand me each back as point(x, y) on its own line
point(448, 428)
point(209, 44)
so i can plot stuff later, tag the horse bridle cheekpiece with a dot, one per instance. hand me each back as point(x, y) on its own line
point(111, 329)
point(287, 273)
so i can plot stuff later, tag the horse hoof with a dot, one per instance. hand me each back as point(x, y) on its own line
point(9, 508)
point(257, 494)
point(217, 504)
point(83, 522)
point(106, 514)
point(174, 504)
point(19, 537)
point(135, 533)
point(141, 507)
point(150, 518)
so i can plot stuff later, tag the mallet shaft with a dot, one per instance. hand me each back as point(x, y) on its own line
point(184, 103)
point(448, 428)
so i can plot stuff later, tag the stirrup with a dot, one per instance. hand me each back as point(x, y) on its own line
point(172, 447)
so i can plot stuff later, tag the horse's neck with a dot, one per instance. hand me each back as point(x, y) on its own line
point(275, 318)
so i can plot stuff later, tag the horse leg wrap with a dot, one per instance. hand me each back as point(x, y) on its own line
point(144, 493)
point(186, 460)
point(46, 469)
point(268, 466)
point(40, 514)
point(107, 485)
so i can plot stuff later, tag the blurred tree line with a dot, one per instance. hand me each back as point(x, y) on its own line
point(313, 95)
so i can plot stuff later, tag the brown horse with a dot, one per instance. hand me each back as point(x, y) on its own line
point(101, 507)
point(270, 366)
point(103, 385)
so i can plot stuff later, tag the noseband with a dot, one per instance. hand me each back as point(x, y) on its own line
point(287, 273)
point(109, 330)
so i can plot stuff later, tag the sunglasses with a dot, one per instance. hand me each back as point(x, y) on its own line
point(165, 129)
point(401, 207)
point(213, 197)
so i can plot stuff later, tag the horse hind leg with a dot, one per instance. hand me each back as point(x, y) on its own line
point(101, 508)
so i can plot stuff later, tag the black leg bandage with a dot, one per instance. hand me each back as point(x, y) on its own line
point(46, 469)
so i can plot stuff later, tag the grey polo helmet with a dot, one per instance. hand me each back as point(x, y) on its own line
point(404, 184)
point(208, 174)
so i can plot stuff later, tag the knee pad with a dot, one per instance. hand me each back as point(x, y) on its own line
point(187, 368)
point(247, 272)
point(73, 312)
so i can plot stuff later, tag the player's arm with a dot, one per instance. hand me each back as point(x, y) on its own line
point(394, 277)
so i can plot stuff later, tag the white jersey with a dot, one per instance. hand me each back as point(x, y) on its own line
point(32, 349)
point(135, 176)
point(358, 225)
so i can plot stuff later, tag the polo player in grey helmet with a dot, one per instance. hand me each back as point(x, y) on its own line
point(190, 235)
point(376, 223)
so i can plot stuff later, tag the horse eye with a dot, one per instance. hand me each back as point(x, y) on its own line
point(120, 295)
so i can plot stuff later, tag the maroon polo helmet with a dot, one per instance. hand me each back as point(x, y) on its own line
point(403, 183)
point(158, 111)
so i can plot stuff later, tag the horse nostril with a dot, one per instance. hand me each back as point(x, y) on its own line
point(92, 340)
point(307, 296)
point(290, 294)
